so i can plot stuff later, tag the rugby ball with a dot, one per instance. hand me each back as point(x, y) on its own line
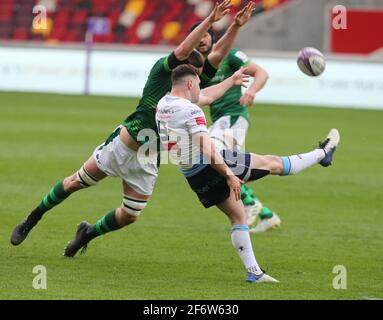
point(311, 61)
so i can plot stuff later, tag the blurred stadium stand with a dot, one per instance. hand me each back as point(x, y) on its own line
point(152, 22)
point(291, 25)
point(145, 30)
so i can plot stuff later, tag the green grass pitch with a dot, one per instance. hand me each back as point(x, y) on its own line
point(178, 250)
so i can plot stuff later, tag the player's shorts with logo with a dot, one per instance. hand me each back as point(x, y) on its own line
point(211, 187)
point(116, 159)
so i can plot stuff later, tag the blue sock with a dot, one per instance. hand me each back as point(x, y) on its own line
point(299, 162)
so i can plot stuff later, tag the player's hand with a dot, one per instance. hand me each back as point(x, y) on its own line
point(234, 183)
point(240, 79)
point(243, 16)
point(247, 98)
point(220, 10)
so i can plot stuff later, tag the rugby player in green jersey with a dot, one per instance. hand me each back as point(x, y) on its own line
point(230, 119)
point(119, 154)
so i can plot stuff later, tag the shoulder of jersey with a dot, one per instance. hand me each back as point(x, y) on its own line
point(195, 110)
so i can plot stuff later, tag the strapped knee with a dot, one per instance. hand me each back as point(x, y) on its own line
point(85, 179)
point(133, 206)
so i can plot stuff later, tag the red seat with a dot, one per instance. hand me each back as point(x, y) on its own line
point(6, 15)
point(104, 39)
point(57, 34)
point(5, 31)
point(20, 34)
point(6, 8)
point(80, 16)
point(70, 36)
point(113, 17)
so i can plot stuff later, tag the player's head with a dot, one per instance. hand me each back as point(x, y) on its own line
point(196, 60)
point(206, 44)
point(185, 78)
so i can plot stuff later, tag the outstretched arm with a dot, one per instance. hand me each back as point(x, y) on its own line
point(210, 94)
point(216, 161)
point(223, 46)
point(192, 40)
point(261, 77)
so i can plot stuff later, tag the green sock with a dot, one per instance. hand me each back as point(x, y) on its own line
point(53, 198)
point(265, 213)
point(248, 198)
point(250, 191)
point(248, 201)
point(106, 224)
point(243, 191)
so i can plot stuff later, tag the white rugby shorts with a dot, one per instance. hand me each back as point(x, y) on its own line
point(224, 133)
point(117, 160)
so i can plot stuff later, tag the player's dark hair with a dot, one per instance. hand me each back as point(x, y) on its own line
point(195, 59)
point(183, 71)
point(210, 31)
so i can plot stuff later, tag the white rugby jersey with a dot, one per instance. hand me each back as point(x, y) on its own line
point(177, 120)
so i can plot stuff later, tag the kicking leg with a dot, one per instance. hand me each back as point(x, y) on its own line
point(131, 207)
point(87, 176)
point(264, 165)
point(241, 241)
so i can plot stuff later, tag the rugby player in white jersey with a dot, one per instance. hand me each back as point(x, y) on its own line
point(216, 177)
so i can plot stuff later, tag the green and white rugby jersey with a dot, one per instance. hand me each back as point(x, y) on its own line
point(228, 104)
point(157, 86)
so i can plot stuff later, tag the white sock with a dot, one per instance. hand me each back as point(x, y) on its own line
point(297, 163)
point(240, 238)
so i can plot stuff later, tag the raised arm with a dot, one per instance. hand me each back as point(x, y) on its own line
point(210, 94)
point(260, 78)
point(216, 161)
point(223, 46)
point(183, 51)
